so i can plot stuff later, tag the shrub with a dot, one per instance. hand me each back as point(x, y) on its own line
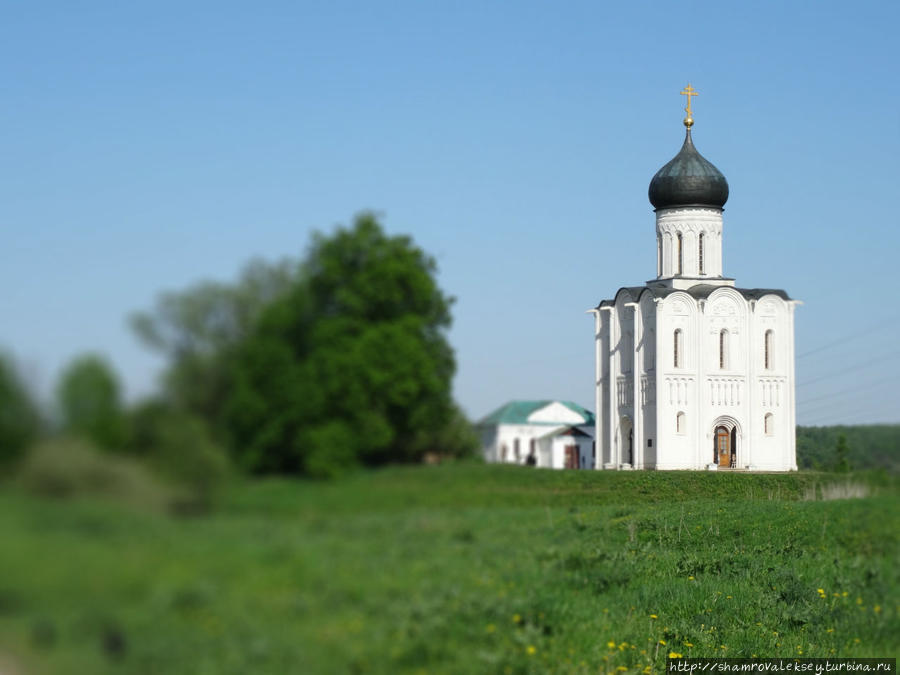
point(67, 468)
point(19, 420)
point(180, 447)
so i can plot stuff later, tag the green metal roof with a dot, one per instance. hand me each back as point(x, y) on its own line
point(517, 412)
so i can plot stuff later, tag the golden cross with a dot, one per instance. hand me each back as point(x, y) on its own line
point(689, 91)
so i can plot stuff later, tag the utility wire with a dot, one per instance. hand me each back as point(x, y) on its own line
point(864, 387)
point(856, 366)
point(848, 338)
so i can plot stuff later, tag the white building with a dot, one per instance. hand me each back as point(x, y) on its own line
point(693, 372)
point(550, 434)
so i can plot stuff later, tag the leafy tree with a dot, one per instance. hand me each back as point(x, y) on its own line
point(90, 402)
point(351, 366)
point(20, 421)
point(179, 446)
point(198, 329)
point(841, 451)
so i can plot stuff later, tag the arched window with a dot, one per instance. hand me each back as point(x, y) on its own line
point(700, 253)
point(723, 349)
point(680, 254)
point(658, 257)
point(679, 348)
point(769, 346)
point(680, 423)
point(769, 424)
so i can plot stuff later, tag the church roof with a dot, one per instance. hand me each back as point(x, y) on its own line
point(688, 179)
point(518, 412)
point(700, 291)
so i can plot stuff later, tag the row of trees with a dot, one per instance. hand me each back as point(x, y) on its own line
point(306, 367)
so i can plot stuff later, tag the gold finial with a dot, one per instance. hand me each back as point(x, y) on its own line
point(689, 91)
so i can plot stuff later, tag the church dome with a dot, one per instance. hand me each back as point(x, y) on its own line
point(688, 179)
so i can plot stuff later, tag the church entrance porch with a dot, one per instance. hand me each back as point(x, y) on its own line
point(724, 447)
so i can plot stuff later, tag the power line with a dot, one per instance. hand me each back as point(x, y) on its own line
point(856, 366)
point(868, 385)
point(848, 338)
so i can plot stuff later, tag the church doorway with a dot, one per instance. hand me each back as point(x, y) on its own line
point(626, 441)
point(723, 450)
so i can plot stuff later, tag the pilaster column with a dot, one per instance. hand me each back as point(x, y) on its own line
point(637, 416)
point(598, 389)
point(791, 391)
point(611, 354)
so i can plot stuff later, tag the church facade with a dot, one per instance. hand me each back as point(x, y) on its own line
point(692, 371)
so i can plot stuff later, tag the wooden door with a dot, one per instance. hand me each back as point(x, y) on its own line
point(723, 447)
point(571, 456)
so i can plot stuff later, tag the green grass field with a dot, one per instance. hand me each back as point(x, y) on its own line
point(454, 569)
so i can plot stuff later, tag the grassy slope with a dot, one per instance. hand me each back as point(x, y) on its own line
point(453, 569)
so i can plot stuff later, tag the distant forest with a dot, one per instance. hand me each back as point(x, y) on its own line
point(875, 446)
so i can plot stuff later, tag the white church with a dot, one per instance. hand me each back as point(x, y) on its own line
point(693, 372)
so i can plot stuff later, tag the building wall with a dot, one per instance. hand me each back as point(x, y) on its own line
point(717, 380)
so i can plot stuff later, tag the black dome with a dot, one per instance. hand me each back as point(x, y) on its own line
point(688, 180)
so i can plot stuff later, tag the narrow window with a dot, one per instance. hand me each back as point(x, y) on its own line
point(768, 347)
point(700, 253)
point(680, 255)
point(516, 452)
point(768, 424)
point(679, 423)
point(658, 257)
point(678, 347)
point(723, 349)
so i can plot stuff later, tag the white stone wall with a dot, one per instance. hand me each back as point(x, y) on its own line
point(716, 381)
point(549, 448)
point(690, 223)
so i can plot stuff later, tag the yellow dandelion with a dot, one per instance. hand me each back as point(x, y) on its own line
point(858, 600)
point(830, 630)
point(688, 644)
point(674, 655)
point(690, 578)
point(491, 628)
point(611, 644)
point(662, 642)
point(728, 597)
point(820, 591)
point(622, 669)
point(517, 618)
point(844, 594)
point(653, 616)
point(876, 609)
point(531, 650)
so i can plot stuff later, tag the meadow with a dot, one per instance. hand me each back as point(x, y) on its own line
point(459, 568)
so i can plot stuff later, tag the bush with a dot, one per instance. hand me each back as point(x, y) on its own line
point(180, 447)
point(20, 422)
point(67, 468)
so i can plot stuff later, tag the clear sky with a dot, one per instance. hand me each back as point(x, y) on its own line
point(148, 145)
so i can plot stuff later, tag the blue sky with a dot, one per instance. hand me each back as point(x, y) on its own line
point(146, 146)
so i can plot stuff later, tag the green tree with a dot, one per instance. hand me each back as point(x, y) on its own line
point(89, 400)
point(351, 366)
point(179, 446)
point(198, 329)
point(20, 421)
point(841, 452)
